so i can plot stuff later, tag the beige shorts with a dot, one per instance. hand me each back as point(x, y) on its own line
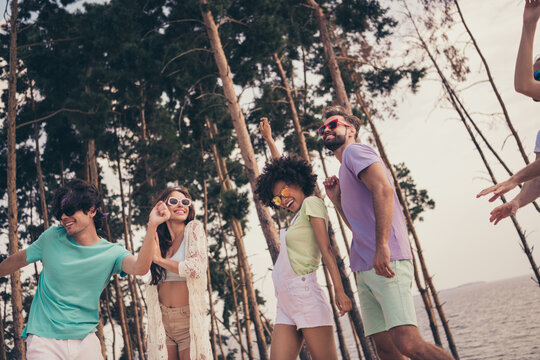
point(176, 324)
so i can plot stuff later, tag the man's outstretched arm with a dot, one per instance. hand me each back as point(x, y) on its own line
point(13, 263)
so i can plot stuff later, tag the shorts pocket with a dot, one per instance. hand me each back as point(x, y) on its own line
point(299, 290)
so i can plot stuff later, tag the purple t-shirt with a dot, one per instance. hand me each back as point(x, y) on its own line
point(357, 203)
point(537, 147)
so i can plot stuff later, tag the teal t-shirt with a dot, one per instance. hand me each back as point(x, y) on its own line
point(66, 302)
point(302, 248)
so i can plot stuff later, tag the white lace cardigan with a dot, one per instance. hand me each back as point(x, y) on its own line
point(194, 270)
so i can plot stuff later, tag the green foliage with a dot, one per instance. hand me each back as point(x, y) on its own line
point(417, 200)
point(140, 79)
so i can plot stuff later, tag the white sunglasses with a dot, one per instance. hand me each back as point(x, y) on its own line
point(174, 201)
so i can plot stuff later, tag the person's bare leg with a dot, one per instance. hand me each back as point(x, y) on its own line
point(183, 355)
point(320, 342)
point(408, 340)
point(386, 349)
point(286, 342)
point(172, 352)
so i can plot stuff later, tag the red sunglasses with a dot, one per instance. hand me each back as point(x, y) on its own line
point(331, 125)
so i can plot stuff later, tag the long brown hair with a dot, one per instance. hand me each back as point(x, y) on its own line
point(165, 241)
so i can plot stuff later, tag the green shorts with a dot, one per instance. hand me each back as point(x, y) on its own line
point(386, 303)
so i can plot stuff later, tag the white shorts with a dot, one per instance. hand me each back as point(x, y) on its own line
point(40, 348)
point(302, 303)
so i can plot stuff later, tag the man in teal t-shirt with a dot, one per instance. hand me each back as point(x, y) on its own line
point(77, 265)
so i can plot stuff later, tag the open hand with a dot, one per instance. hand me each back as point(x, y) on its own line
point(503, 211)
point(333, 191)
point(265, 129)
point(498, 189)
point(159, 214)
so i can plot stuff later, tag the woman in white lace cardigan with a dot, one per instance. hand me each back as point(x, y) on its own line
point(177, 324)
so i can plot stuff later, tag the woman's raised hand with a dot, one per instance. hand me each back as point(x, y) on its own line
point(265, 129)
point(159, 214)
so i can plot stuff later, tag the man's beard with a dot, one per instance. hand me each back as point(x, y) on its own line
point(334, 143)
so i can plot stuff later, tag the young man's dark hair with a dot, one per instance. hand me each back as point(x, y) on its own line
point(77, 195)
point(334, 110)
point(290, 169)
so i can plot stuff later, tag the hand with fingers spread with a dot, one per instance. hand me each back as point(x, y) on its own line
point(343, 303)
point(332, 188)
point(159, 214)
point(499, 189)
point(503, 211)
point(381, 262)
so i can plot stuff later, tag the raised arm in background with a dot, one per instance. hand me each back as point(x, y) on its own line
point(266, 132)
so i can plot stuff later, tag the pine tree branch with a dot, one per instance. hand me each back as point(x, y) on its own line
point(54, 114)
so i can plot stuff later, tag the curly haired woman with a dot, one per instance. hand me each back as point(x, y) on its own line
point(303, 312)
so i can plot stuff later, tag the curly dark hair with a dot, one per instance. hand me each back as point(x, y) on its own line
point(165, 241)
point(293, 170)
point(77, 195)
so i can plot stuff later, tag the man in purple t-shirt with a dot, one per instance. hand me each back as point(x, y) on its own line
point(381, 257)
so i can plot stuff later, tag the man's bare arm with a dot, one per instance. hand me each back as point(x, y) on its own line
point(13, 263)
point(376, 180)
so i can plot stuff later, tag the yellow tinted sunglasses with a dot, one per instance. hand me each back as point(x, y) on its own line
point(285, 192)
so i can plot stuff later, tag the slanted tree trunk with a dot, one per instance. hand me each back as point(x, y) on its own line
point(3, 353)
point(91, 174)
point(109, 315)
point(245, 301)
point(339, 330)
point(333, 67)
point(39, 172)
point(292, 108)
point(132, 280)
point(235, 299)
point(213, 341)
point(493, 86)
point(15, 278)
point(144, 137)
point(121, 306)
point(135, 301)
point(242, 134)
point(226, 184)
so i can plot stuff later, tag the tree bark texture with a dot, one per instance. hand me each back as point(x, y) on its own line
point(333, 67)
point(242, 134)
point(239, 241)
point(15, 278)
